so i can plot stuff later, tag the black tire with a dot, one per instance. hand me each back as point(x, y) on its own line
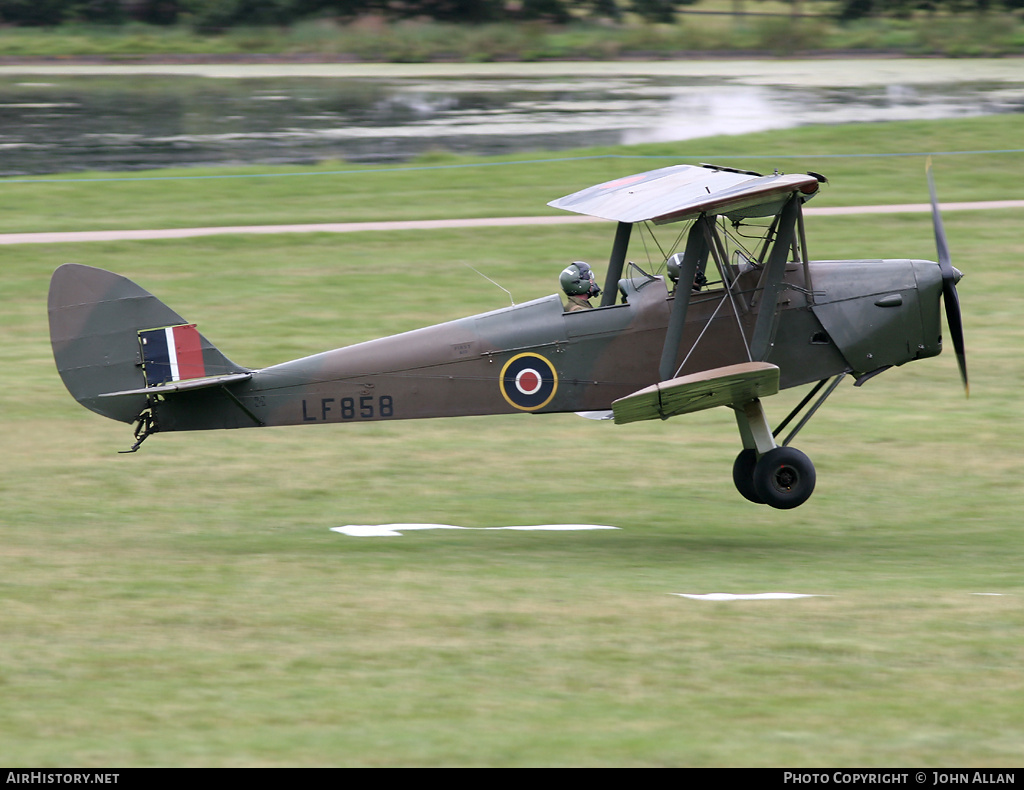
point(784, 478)
point(743, 475)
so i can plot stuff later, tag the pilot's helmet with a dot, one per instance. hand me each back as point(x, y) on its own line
point(577, 279)
point(674, 264)
point(674, 267)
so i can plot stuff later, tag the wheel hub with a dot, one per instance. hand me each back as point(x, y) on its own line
point(786, 477)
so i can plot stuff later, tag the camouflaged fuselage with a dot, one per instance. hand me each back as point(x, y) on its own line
point(536, 358)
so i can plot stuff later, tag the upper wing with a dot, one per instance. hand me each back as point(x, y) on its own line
point(682, 192)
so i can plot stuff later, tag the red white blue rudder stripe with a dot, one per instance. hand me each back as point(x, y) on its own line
point(171, 353)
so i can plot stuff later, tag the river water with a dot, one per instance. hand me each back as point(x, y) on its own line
point(61, 119)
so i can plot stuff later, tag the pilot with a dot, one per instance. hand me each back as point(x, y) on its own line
point(577, 280)
point(675, 264)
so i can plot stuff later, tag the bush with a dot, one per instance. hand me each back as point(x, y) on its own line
point(33, 12)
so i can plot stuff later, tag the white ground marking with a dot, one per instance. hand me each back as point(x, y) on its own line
point(396, 530)
point(744, 596)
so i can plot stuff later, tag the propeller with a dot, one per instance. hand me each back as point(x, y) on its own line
point(950, 277)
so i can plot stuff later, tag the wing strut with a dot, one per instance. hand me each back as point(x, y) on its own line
point(695, 256)
point(773, 279)
point(729, 280)
point(615, 263)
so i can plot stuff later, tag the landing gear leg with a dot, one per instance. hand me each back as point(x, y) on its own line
point(757, 440)
point(764, 473)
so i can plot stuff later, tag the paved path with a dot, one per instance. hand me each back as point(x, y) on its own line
point(828, 72)
point(431, 224)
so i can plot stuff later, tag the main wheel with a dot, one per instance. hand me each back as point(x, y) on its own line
point(784, 478)
point(743, 475)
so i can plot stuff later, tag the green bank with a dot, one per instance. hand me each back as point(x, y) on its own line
point(544, 32)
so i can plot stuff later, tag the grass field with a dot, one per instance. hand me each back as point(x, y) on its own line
point(441, 185)
point(189, 605)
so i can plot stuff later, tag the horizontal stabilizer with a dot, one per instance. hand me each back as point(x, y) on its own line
point(719, 387)
point(180, 386)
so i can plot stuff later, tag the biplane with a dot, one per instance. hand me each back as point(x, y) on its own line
point(732, 311)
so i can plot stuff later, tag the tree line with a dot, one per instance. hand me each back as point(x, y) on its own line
point(212, 14)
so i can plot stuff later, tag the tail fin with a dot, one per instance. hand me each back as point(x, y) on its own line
point(106, 331)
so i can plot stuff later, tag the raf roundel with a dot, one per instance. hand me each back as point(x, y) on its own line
point(528, 382)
